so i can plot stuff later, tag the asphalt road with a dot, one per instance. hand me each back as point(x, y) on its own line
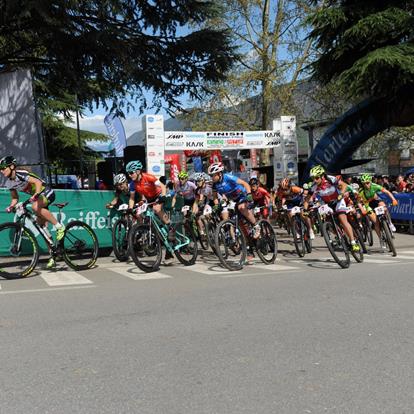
point(302, 336)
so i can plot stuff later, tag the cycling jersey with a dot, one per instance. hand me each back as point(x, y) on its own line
point(21, 183)
point(123, 196)
point(292, 195)
point(146, 186)
point(328, 191)
point(260, 196)
point(187, 191)
point(370, 194)
point(205, 192)
point(230, 188)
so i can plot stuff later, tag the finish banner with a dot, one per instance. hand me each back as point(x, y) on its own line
point(220, 140)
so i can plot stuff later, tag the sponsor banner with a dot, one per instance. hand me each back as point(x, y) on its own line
point(117, 133)
point(405, 208)
point(85, 205)
point(154, 133)
point(221, 140)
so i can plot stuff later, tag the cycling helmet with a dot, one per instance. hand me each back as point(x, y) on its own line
point(254, 181)
point(284, 184)
point(182, 174)
point(317, 171)
point(199, 176)
point(133, 166)
point(365, 178)
point(119, 179)
point(215, 168)
point(7, 161)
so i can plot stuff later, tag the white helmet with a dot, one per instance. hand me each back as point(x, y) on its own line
point(355, 186)
point(119, 179)
point(215, 168)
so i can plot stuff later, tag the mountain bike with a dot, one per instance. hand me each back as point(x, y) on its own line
point(232, 236)
point(337, 242)
point(19, 249)
point(386, 233)
point(120, 231)
point(300, 232)
point(146, 239)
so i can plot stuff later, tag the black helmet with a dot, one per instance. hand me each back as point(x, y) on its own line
point(7, 161)
point(253, 181)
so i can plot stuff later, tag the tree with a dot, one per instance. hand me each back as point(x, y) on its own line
point(366, 47)
point(270, 37)
point(113, 50)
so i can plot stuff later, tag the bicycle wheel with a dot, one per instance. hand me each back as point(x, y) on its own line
point(336, 244)
point(297, 233)
point(360, 237)
point(211, 231)
point(367, 226)
point(387, 237)
point(306, 237)
point(187, 253)
point(357, 255)
point(79, 246)
point(266, 245)
point(19, 251)
point(203, 237)
point(145, 247)
point(230, 245)
point(120, 239)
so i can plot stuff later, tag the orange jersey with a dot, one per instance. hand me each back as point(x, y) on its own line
point(292, 193)
point(146, 186)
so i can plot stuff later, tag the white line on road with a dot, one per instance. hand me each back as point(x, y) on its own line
point(64, 279)
point(391, 260)
point(135, 274)
point(8, 292)
point(206, 269)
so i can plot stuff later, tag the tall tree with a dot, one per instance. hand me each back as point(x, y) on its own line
point(113, 50)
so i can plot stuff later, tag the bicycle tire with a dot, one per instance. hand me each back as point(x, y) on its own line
point(360, 238)
point(191, 248)
point(306, 237)
point(328, 227)
point(298, 241)
point(120, 245)
point(11, 260)
point(140, 237)
point(388, 237)
point(75, 245)
point(357, 255)
point(240, 245)
point(267, 242)
point(368, 231)
point(211, 231)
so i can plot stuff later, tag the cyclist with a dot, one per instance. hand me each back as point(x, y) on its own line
point(41, 195)
point(370, 199)
point(293, 196)
point(261, 197)
point(122, 193)
point(234, 189)
point(185, 188)
point(154, 191)
point(203, 196)
point(331, 191)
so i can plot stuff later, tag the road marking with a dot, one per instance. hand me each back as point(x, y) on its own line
point(274, 267)
point(64, 279)
point(399, 256)
point(406, 251)
point(206, 269)
point(135, 274)
point(380, 261)
point(9, 292)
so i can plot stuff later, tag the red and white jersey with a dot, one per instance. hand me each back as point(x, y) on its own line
point(327, 190)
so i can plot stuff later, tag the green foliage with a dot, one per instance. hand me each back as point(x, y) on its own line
point(113, 50)
point(366, 46)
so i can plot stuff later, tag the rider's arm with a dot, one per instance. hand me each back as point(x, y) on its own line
point(163, 187)
point(113, 203)
point(390, 195)
point(14, 198)
point(245, 185)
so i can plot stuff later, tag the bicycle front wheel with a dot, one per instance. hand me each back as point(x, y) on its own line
point(145, 247)
point(336, 244)
point(230, 245)
point(266, 245)
point(188, 250)
point(120, 240)
point(79, 246)
point(298, 233)
point(19, 251)
point(387, 236)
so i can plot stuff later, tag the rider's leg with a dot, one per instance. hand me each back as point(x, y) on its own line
point(309, 225)
point(248, 214)
point(346, 226)
point(375, 221)
point(158, 210)
point(42, 213)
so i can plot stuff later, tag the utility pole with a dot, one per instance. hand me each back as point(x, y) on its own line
point(79, 142)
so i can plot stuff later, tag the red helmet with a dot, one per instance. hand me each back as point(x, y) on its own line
point(284, 184)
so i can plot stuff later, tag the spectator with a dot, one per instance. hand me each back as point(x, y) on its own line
point(409, 188)
point(400, 184)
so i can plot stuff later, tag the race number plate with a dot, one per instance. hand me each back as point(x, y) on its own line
point(295, 210)
point(207, 210)
point(123, 207)
point(142, 208)
point(324, 209)
point(379, 211)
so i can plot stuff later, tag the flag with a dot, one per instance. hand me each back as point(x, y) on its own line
point(117, 133)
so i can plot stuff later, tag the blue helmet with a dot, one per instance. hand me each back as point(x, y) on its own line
point(133, 166)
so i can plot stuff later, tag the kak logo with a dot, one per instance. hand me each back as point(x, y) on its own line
point(194, 144)
point(272, 134)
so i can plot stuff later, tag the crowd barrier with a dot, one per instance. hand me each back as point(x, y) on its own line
point(87, 206)
point(403, 214)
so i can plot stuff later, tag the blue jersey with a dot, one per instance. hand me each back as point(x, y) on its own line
point(229, 187)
